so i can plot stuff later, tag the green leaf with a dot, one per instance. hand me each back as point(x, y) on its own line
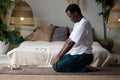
point(5, 5)
point(101, 13)
point(14, 37)
point(1, 21)
point(99, 1)
point(106, 14)
point(2, 36)
point(3, 27)
point(1, 39)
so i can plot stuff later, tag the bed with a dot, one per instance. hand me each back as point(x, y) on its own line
point(41, 53)
point(42, 46)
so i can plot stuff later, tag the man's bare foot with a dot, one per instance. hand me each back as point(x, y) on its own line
point(92, 68)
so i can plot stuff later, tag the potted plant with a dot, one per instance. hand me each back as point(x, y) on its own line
point(7, 36)
point(106, 8)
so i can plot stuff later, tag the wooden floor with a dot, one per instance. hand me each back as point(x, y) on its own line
point(59, 77)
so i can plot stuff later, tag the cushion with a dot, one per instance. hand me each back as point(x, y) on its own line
point(43, 33)
point(29, 37)
point(60, 34)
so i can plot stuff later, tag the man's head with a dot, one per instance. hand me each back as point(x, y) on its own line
point(74, 12)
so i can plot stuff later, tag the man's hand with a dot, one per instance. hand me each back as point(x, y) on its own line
point(67, 46)
point(55, 61)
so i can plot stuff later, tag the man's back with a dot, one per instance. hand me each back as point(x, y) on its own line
point(82, 36)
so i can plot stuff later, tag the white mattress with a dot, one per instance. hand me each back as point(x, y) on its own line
point(41, 53)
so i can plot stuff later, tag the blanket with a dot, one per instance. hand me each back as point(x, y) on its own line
point(41, 53)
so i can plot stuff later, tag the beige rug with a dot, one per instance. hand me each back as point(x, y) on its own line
point(3, 65)
point(50, 71)
point(35, 73)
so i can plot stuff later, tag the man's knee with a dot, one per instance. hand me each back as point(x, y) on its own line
point(58, 68)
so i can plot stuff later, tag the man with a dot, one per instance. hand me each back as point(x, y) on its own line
point(79, 42)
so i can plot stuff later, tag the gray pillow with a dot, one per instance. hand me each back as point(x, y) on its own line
point(61, 34)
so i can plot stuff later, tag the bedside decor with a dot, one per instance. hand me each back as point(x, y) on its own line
point(113, 22)
point(114, 17)
point(7, 36)
point(22, 15)
point(106, 6)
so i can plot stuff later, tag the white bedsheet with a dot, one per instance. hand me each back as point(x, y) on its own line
point(41, 53)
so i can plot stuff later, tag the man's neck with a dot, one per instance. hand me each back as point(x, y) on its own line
point(79, 18)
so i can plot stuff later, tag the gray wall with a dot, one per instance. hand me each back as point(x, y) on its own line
point(48, 12)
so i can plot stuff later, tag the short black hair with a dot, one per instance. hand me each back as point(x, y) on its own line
point(72, 8)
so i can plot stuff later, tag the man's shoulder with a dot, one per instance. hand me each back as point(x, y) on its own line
point(86, 23)
point(83, 21)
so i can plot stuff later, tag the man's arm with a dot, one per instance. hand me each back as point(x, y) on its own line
point(67, 46)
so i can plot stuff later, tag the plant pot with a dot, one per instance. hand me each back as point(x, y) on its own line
point(3, 47)
point(107, 44)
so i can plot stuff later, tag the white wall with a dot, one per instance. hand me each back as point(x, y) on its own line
point(53, 12)
point(48, 12)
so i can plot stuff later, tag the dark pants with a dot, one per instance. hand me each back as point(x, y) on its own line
point(74, 63)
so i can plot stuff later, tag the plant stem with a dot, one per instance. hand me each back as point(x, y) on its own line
point(109, 32)
point(104, 22)
point(104, 26)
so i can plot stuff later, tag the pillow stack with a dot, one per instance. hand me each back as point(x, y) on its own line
point(50, 33)
point(60, 34)
point(43, 33)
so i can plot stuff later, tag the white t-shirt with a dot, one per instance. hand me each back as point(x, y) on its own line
point(82, 36)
